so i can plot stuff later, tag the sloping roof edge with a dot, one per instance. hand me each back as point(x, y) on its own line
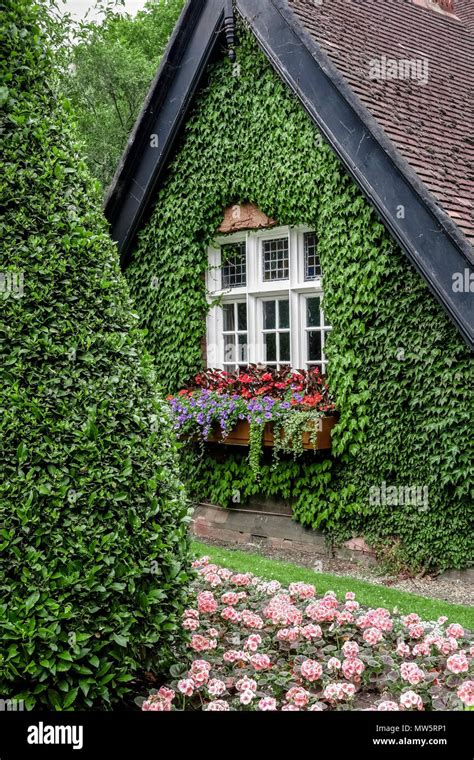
point(429, 237)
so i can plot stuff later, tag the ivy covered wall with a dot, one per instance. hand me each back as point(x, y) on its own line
point(399, 371)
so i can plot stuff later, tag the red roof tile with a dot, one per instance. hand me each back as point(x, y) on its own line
point(430, 122)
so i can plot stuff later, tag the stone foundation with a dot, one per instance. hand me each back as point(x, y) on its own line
point(268, 523)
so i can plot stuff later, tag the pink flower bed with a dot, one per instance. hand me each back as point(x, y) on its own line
point(254, 645)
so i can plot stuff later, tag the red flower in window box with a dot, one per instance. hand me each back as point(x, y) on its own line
point(304, 388)
point(312, 400)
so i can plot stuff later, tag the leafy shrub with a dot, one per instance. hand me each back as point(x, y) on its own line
point(93, 539)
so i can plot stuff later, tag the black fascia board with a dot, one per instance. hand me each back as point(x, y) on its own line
point(158, 125)
point(431, 240)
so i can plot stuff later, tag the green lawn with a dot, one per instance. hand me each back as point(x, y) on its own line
point(368, 594)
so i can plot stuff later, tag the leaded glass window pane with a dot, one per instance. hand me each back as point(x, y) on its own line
point(275, 260)
point(234, 265)
point(312, 264)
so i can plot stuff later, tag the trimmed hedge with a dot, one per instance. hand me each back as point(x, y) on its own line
point(401, 374)
point(93, 521)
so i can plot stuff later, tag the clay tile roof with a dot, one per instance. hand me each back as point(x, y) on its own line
point(430, 119)
point(465, 12)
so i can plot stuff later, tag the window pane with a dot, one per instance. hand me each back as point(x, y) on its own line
point(283, 314)
point(270, 347)
point(228, 312)
point(242, 316)
point(242, 352)
point(234, 265)
point(285, 347)
point(314, 346)
point(313, 312)
point(312, 264)
point(275, 260)
point(269, 315)
point(229, 348)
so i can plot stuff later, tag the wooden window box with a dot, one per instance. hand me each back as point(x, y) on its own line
point(240, 435)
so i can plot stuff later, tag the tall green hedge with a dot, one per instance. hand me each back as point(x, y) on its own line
point(93, 539)
point(400, 373)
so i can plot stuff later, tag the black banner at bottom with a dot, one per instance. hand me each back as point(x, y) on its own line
point(376, 734)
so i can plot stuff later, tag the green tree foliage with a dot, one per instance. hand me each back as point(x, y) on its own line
point(108, 73)
point(401, 374)
point(93, 521)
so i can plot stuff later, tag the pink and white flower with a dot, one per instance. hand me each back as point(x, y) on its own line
point(334, 664)
point(311, 631)
point(260, 661)
point(241, 579)
point(352, 667)
point(235, 655)
point(246, 697)
point(466, 693)
point(230, 598)
point(339, 691)
point(216, 687)
point(410, 700)
point(298, 696)
point(202, 643)
point(458, 663)
point(350, 649)
point(190, 624)
point(253, 642)
point(167, 694)
point(416, 631)
point(302, 590)
point(455, 631)
point(157, 705)
point(206, 602)
point(267, 703)
point(218, 706)
point(403, 650)
point(251, 620)
point(186, 687)
point(410, 672)
point(246, 684)
point(231, 615)
point(311, 670)
point(372, 636)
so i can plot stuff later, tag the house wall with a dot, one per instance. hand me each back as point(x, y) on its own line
point(400, 373)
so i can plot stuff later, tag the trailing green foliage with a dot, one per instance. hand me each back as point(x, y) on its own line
point(228, 479)
point(400, 373)
point(93, 521)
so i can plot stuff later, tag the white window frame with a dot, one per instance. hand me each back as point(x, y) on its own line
point(235, 334)
point(323, 328)
point(295, 288)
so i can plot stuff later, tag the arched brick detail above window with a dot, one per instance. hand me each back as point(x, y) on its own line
point(244, 216)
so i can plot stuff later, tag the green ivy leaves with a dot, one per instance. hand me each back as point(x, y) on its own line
point(400, 373)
